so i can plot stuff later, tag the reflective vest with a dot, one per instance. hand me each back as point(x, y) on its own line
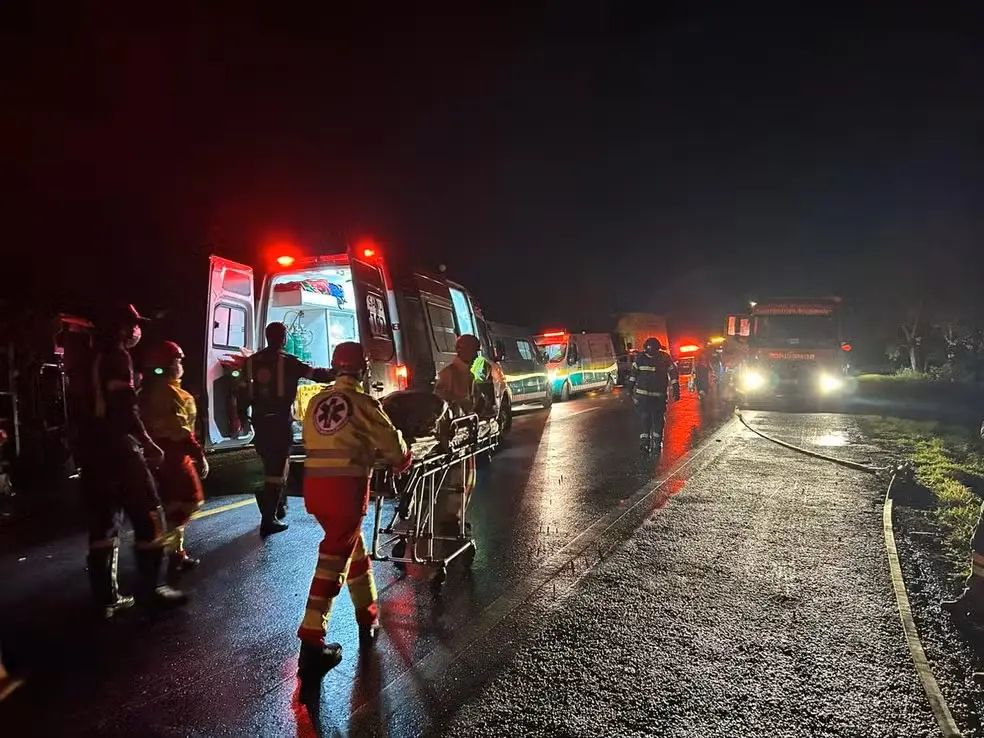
point(169, 412)
point(456, 386)
point(346, 432)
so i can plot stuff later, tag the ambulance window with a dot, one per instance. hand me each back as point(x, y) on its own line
point(525, 350)
point(462, 311)
point(238, 283)
point(229, 326)
point(443, 328)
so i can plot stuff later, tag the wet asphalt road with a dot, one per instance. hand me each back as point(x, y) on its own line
point(753, 596)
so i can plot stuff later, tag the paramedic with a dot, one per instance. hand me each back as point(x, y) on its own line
point(345, 433)
point(653, 374)
point(115, 450)
point(169, 412)
point(270, 378)
point(456, 385)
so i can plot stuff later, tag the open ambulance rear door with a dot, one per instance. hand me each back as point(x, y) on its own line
point(375, 327)
point(230, 336)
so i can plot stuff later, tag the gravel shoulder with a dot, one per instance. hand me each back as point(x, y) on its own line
point(756, 603)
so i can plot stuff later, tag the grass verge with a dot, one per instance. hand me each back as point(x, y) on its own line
point(950, 464)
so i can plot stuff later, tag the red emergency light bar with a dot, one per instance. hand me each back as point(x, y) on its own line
point(285, 261)
point(554, 334)
point(689, 348)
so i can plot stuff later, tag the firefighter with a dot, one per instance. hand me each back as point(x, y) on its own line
point(345, 432)
point(457, 386)
point(169, 413)
point(116, 453)
point(970, 604)
point(653, 374)
point(270, 388)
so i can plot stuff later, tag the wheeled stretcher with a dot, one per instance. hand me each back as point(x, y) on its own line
point(409, 534)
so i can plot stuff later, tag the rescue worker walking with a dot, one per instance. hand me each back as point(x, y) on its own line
point(169, 413)
point(456, 385)
point(345, 432)
point(270, 388)
point(115, 450)
point(653, 375)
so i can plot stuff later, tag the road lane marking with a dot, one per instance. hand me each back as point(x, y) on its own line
point(432, 665)
point(571, 415)
point(221, 509)
point(932, 688)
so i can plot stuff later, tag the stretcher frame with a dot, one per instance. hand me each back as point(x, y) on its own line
point(417, 494)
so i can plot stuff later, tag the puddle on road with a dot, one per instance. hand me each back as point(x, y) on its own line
point(832, 439)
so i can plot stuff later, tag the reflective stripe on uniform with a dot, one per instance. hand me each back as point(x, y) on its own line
point(647, 393)
point(327, 453)
point(350, 470)
point(645, 368)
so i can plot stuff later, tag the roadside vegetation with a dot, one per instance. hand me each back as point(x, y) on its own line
point(950, 465)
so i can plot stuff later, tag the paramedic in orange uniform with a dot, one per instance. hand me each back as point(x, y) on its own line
point(345, 433)
point(456, 386)
point(169, 414)
point(271, 378)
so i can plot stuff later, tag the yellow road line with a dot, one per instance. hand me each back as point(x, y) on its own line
point(221, 509)
point(936, 699)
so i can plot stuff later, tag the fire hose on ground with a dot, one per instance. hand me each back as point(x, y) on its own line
point(902, 472)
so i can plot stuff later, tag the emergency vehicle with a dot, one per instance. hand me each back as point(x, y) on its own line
point(523, 365)
point(407, 322)
point(578, 362)
point(790, 347)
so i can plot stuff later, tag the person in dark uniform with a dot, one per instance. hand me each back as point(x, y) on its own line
point(653, 375)
point(115, 451)
point(270, 380)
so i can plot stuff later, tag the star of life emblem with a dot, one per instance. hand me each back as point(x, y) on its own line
point(332, 414)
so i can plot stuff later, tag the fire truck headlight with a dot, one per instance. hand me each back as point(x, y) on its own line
point(830, 383)
point(752, 380)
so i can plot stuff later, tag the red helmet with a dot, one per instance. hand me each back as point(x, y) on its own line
point(162, 355)
point(348, 356)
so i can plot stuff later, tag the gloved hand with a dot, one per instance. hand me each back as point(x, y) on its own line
point(203, 467)
point(635, 400)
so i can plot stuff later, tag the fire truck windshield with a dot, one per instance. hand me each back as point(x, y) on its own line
point(814, 328)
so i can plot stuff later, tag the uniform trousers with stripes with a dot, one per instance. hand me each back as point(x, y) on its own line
point(339, 504)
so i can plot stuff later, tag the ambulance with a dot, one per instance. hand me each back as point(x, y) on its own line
point(406, 321)
point(578, 362)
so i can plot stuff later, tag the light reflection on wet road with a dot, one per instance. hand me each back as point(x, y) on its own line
point(226, 665)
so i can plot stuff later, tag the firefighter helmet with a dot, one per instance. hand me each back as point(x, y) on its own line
point(348, 357)
point(652, 346)
point(163, 355)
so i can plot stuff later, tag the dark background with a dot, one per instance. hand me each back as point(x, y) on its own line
point(564, 160)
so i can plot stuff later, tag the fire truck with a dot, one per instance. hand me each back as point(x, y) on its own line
point(406, 320)
point(789, 348)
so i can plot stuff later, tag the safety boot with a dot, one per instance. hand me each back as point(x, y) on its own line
point(269, 501)
point(315, 661)
point(282, 506)
point(368, 633)
point(178, 563)
point(150, 593)
point(103, 566)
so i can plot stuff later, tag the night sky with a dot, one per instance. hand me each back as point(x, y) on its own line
point(564, 163)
